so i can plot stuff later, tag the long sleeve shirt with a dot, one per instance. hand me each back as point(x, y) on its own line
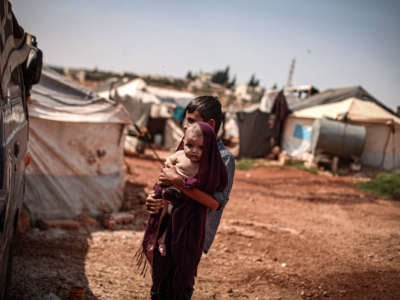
point(214, 217)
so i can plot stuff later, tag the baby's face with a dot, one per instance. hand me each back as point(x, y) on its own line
point(193, 144)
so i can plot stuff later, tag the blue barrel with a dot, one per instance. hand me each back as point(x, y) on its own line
point(337, 138)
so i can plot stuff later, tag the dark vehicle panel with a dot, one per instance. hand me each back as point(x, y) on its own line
point(20, 65)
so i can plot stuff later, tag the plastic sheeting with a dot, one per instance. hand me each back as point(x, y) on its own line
point(353, 109)
point(76, 148)
point(255, 133)
point(58, 99)
point(173, 134)
point(382, 145)
point(176, 97)
point(73, 170)
point(337, 95)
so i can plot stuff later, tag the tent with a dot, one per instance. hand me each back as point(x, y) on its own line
point(295, 95)
point(138, 89)
point(167, 126)
point(255, 134)
point(151, 107)
point(134, 89)
point(382, 145)
point(75, 144)
point(336, 95)
point(259, 130)
point(178, 98)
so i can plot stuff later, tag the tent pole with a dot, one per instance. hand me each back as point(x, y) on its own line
point(156, 154)
point(385, 147)
point(394, 145)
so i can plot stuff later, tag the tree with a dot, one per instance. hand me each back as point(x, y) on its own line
point(232, 83)
point(189, 75)
point(221, 76)
point(253, 82)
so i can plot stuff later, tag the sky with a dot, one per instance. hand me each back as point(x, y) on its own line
point(336, 43)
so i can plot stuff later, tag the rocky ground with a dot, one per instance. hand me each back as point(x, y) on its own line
point(285, 234)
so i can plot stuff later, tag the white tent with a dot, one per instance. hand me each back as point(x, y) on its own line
point(171, 96)
point(133, 89)
point(382, 145)
point(75, 144)
point(151, 107)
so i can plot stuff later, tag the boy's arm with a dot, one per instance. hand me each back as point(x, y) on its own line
point(171, 177)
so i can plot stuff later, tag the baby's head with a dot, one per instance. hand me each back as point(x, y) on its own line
point(193, 143)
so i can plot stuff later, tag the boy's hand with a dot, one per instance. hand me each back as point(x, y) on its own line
point(153, 205)
point(169, 176)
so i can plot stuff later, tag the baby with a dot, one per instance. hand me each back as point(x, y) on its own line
point(186, 163)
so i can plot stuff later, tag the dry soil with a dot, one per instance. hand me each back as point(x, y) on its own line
point(285, 234)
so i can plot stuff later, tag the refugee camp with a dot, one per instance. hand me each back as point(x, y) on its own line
point(199, 150)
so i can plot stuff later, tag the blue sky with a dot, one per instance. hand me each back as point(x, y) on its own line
point(336, 43)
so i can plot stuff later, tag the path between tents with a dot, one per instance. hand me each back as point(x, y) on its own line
point(285, 234)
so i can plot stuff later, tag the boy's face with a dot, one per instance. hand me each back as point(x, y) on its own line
point(193, 144)
point(194, 117)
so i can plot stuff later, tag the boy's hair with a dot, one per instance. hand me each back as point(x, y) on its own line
point(195, 129)
point(208, 107)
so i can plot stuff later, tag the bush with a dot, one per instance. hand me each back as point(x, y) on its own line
point(385, 184)
point(300, 165)
point(245, 164)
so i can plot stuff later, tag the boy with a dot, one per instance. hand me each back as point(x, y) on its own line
point(206, 109)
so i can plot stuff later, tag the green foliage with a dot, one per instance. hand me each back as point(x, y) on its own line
point(130, 75)
point(232, 83)
point(300, 165)
point(94, 74)
point(245, 164)
point(165, 81)
point(189, 76)
point(221, 76)
point(97, 75)
point(253, 82)
point(385, 184)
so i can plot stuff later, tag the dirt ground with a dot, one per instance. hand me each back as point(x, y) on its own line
point(285, 234)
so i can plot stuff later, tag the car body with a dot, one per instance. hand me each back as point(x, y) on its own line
point(20, 62)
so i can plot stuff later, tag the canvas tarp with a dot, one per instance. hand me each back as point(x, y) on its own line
point(162, 121)
point(138, 89)
point(149, 106)
point(176, 97)
point(75, 144)
point(135, 89)
point(173, 134)
point(353, 109)
point(382, 145)
point(259, 130)
point(255, 133)
point(336, 95)
point(143, 114)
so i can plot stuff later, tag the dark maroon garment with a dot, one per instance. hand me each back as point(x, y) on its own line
point(186, 224)
point(280, 109)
